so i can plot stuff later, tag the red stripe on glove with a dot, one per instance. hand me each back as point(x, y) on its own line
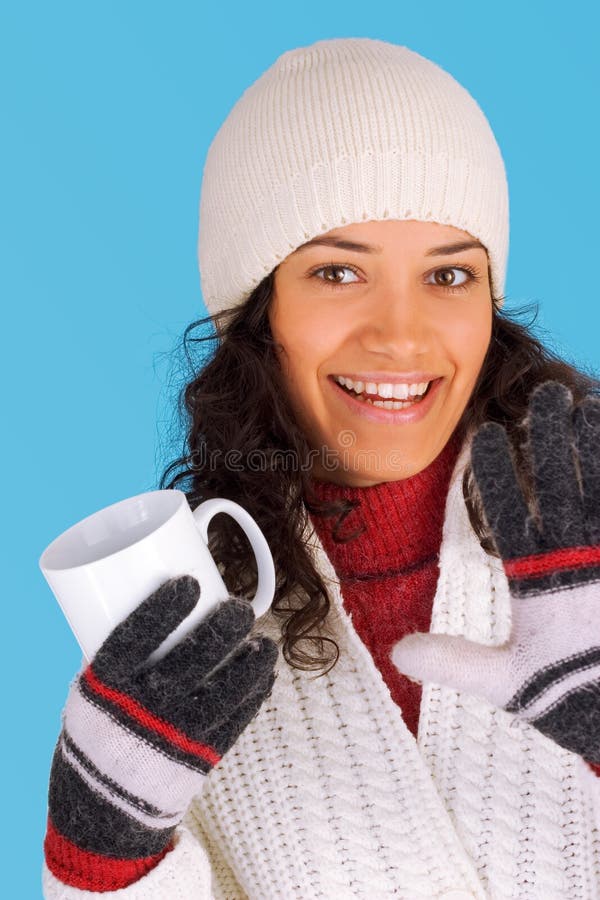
point(540, 564)
point(92, 871)
point(149, 721)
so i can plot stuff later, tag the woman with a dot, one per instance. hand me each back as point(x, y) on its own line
point(364, 402)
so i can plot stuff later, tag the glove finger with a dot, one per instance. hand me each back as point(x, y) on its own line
point(453, 661)
point(187, 664)
point(132, 641)
point(553, 463)
point(243, 675)
point(225, 735)
point(505, 508)
point(586, 425)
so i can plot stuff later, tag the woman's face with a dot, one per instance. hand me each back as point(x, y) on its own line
point(404, 303)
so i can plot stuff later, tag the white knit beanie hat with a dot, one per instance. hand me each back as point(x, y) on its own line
point(344, 130)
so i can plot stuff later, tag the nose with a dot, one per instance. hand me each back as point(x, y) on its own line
point(396, 325)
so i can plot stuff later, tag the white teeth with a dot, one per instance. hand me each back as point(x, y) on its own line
point(385, 390)
point(400, 391)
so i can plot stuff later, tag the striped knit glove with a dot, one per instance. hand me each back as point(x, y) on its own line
point(137, 741)
point(549, 671)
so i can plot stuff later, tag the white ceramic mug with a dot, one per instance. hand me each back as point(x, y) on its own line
point(101, 568)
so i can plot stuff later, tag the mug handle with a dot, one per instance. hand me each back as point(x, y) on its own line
point(265, 589)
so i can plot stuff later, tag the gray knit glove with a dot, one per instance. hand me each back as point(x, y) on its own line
point(549, 671)
point(137, 742)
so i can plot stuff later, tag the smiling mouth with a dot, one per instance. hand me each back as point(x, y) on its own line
point(384, 403)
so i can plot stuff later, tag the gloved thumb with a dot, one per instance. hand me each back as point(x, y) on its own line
point(454, 662)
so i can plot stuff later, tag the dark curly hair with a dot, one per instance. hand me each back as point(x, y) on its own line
point(242, 442)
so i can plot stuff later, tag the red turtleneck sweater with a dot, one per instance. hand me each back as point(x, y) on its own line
point(388, 574)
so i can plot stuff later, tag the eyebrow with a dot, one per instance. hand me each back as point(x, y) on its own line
point(354, 246)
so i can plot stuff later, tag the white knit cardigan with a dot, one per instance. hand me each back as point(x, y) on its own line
point(327, 794)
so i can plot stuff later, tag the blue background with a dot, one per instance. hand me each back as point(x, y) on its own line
point(108, 111)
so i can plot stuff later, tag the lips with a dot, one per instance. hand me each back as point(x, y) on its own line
point(409, 415)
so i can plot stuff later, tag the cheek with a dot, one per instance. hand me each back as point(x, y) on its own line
point(308, 343)
point(467, 338)
point(307, 338)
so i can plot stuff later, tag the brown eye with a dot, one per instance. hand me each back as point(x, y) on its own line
point(451, 277)
point(334, 275)
point(445, 277)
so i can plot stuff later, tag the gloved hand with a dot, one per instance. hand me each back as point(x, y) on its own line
point(137, 741)
point(549, 671)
